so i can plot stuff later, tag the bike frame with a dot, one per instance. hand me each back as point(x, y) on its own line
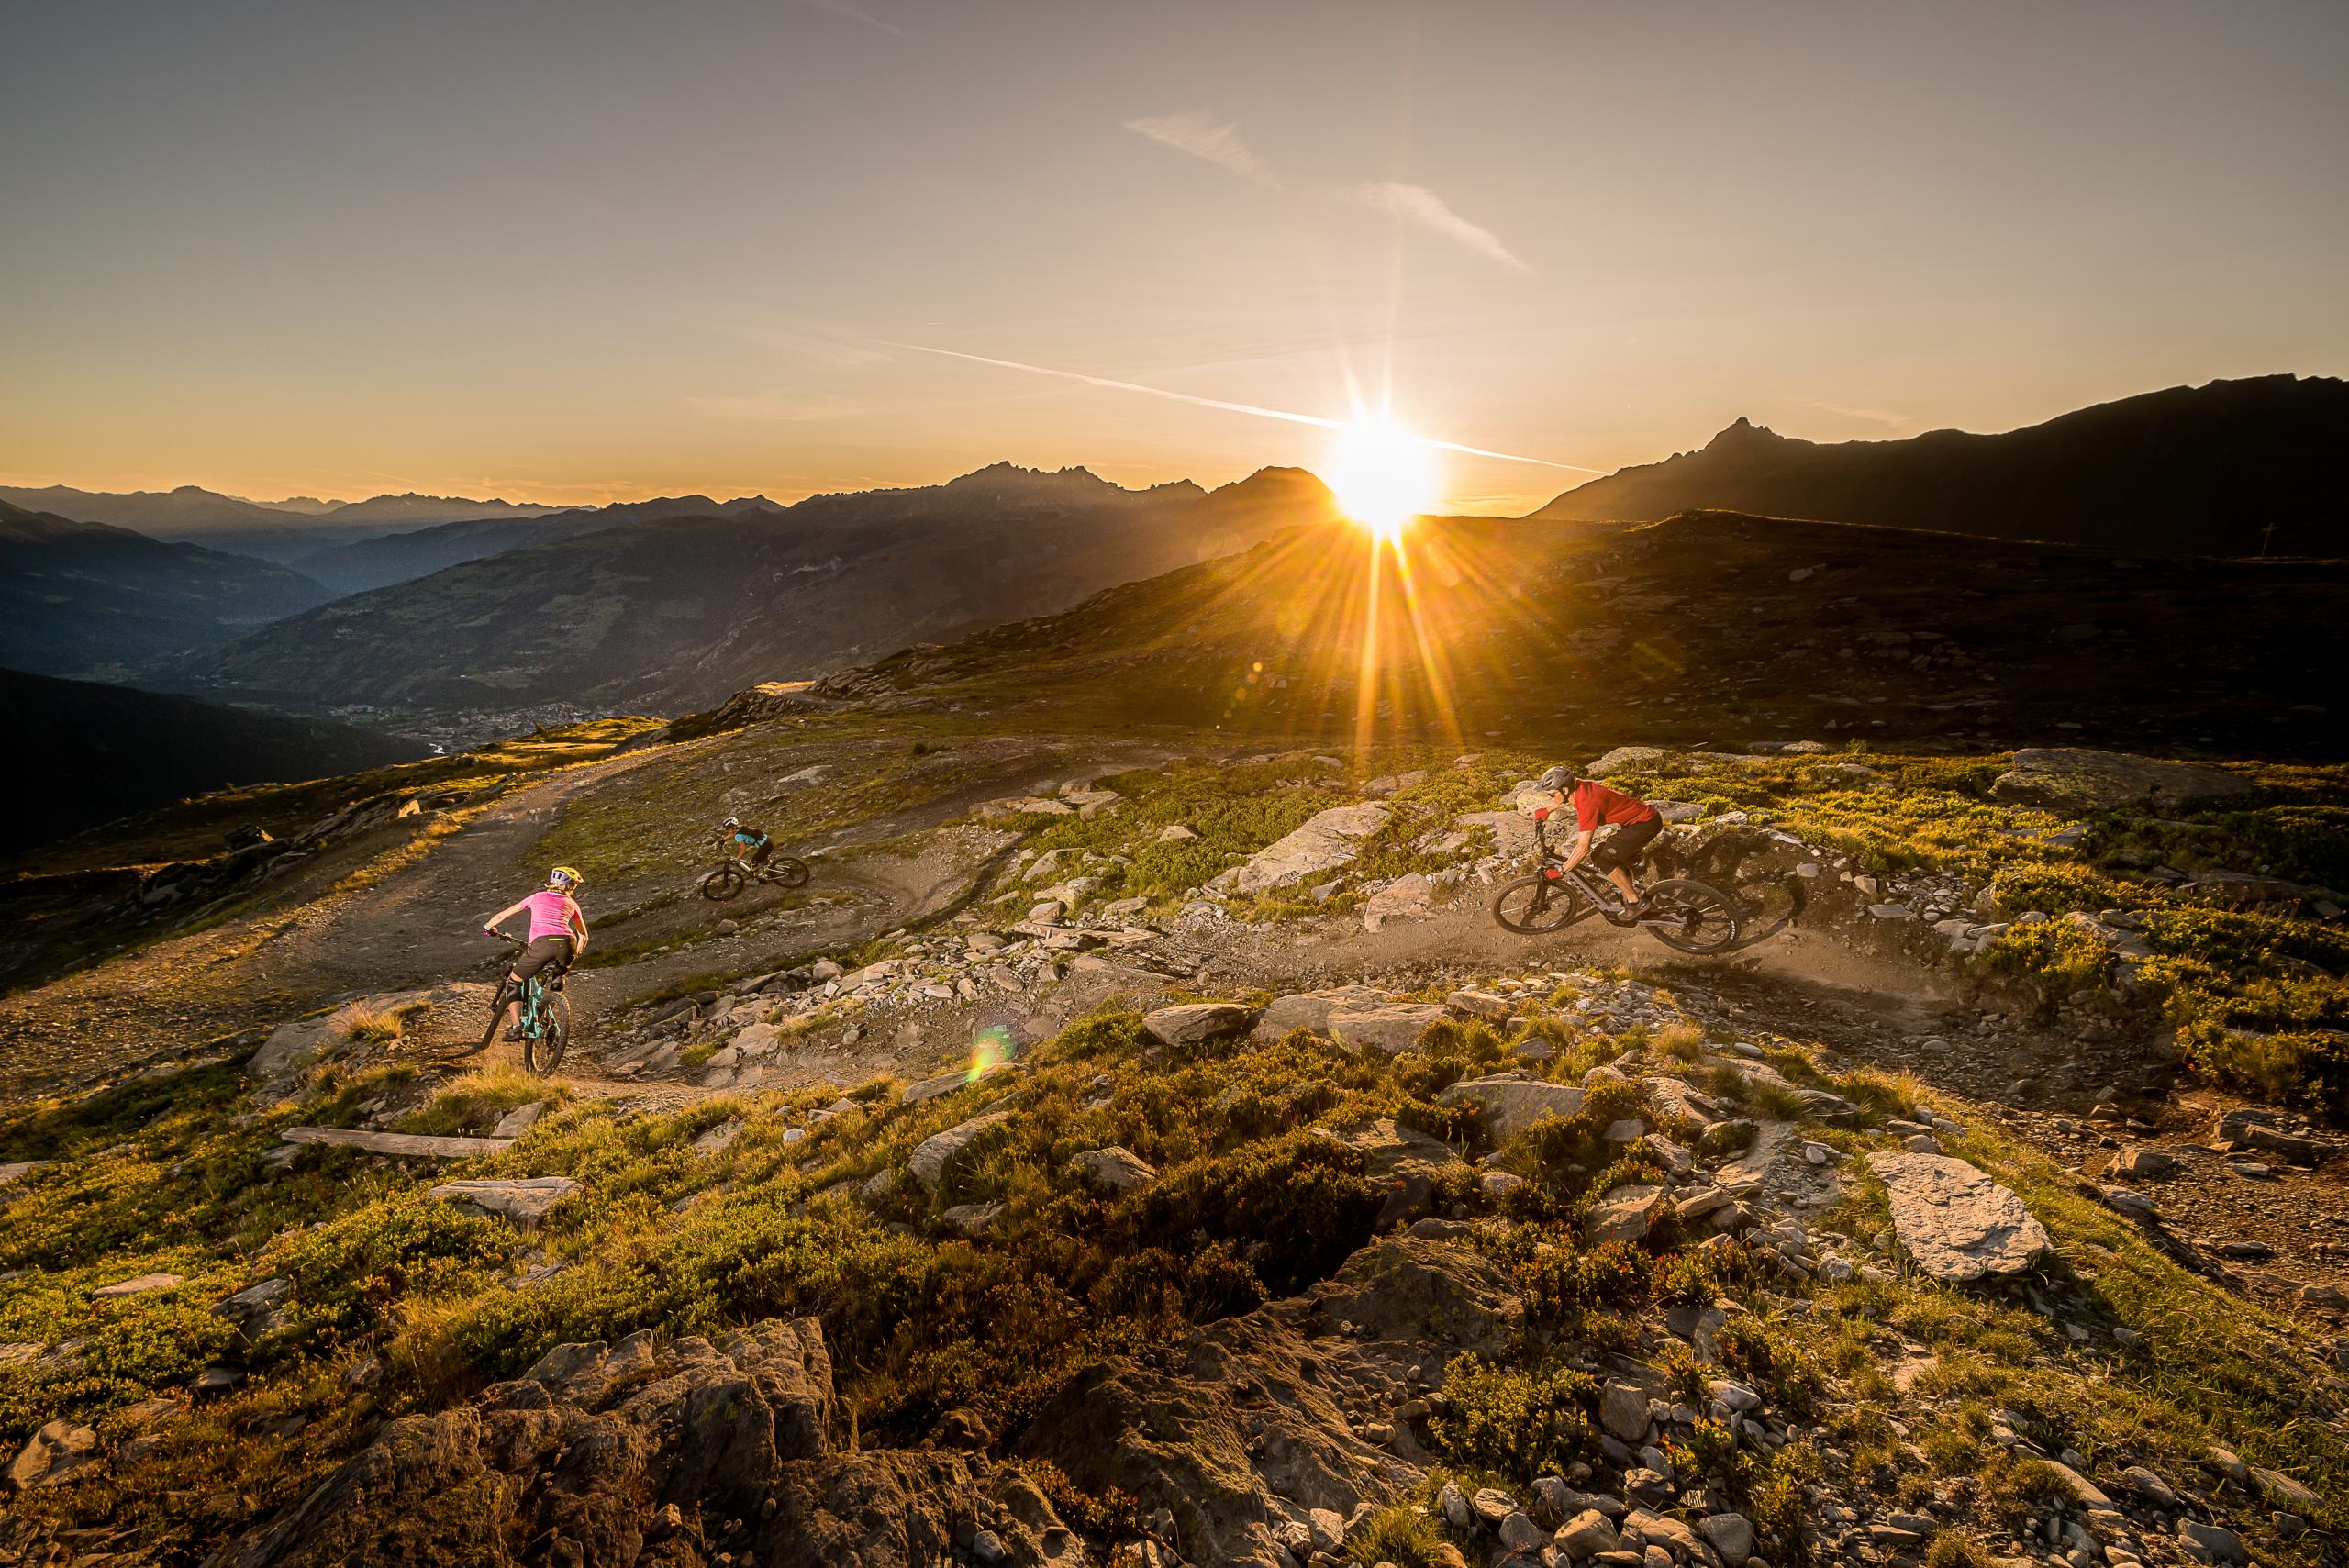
point(1599, 891)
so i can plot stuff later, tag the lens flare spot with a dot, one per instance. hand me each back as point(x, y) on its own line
point(993, 1046)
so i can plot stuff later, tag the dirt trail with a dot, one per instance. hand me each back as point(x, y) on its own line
point(420, 923)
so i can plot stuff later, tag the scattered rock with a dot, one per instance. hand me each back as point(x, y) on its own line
point(138, 1286)
point(938, 1151)
point(1116, 1169)
point(1407, 897)
point(1512, 1104)
point(2142, 1165)
point(519, 1120)
point(1623, 1411)
point(51, 1455)
point(1627, 1214)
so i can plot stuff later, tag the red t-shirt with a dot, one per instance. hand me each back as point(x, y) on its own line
point(1594, 804)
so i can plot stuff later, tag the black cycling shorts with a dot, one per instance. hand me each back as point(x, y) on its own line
point(1624, 847)
point(540, 953)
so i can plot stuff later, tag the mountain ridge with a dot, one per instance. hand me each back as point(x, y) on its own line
point(2229, 468)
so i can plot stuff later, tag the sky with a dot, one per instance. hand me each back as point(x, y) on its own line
point(582, 251)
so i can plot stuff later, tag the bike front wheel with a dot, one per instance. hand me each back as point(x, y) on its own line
point(497, 1016)
point(788, 872)
point(1690, 915)
point(1537, 904)
point(722, 884)
point(543, 1051)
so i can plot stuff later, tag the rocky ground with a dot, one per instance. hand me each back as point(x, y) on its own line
point(1848, 1245)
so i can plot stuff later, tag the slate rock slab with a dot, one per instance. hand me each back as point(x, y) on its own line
point(1323, 842)
point(1392, 1028)
point(525, 1200)
point(1956, 1224)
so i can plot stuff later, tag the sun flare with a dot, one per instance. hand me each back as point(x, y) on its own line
point(1383, 476)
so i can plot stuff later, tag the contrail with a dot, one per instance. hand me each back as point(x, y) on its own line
point(1229, 408)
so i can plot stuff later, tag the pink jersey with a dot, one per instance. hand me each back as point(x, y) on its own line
point(551, 914)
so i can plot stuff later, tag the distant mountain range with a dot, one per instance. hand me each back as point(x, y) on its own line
point(88, 599)
point(396, 558)
point(668, 612)
point(270, 530)
point(90, 754)
point(2231, 469)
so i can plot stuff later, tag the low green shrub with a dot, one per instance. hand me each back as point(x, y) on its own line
point(1517, 1423)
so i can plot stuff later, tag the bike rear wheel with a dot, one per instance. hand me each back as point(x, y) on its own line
point(1537, 904)
point(1690, 915)
point(543, 1051)
point(787, 871)
point(722, 884)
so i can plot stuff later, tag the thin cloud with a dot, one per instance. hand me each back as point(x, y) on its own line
point(1422, 208)
point(1891, 419)
point(1257, 410)
point(1197, 133)
point(855, 13)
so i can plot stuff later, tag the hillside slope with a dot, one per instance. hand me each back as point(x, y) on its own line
point(269, 530)
point(1703, 625)
point(674, 613)
point(2232, 468)
point(107, 751)
point(79, 598)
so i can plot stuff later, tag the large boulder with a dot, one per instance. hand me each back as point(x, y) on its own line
point(1324, 842)
point(2070, 778)
point(601, 1453)
point(1956, 1224)
point(1392, 1028)
point(1194, 1022)
point(1510, 1105)
point(1408, 897)
point(1626, 759)
point(1311, 1009)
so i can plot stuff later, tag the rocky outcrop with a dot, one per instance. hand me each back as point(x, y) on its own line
point(525, 1200)
point(938, 1151)
point(1241, 1432)
point(1194, 1022)
point(2066, 778)
point(1324, 842)
point(629, 1453)
point(1956, 1224)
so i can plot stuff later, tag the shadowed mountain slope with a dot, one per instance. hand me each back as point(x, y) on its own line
point(399, 558)
point(1708, 626)
point(2232, 468)
point(79, 598)
point(107, 751)
point(670, 614)
point(279, 531)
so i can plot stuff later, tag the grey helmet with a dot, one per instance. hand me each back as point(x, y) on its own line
point(1561, 777)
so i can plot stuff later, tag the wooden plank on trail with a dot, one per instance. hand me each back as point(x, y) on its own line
point(408, 1145)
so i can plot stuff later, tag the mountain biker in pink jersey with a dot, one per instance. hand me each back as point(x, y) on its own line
point(558, 932)
point(1636, 822)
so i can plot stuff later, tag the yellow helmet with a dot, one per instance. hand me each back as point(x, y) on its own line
point(564, 878)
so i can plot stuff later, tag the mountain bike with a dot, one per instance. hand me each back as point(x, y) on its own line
point(544, 1020)
point(1680, 912)
point(737, 874)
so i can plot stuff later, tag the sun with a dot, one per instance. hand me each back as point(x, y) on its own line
point(1383, 476)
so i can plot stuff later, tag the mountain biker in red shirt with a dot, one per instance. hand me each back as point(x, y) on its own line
point(1636, 824)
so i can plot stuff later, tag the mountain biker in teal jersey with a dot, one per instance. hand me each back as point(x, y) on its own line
point(558, 933)
point(750, 843)
point(1637, 824)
